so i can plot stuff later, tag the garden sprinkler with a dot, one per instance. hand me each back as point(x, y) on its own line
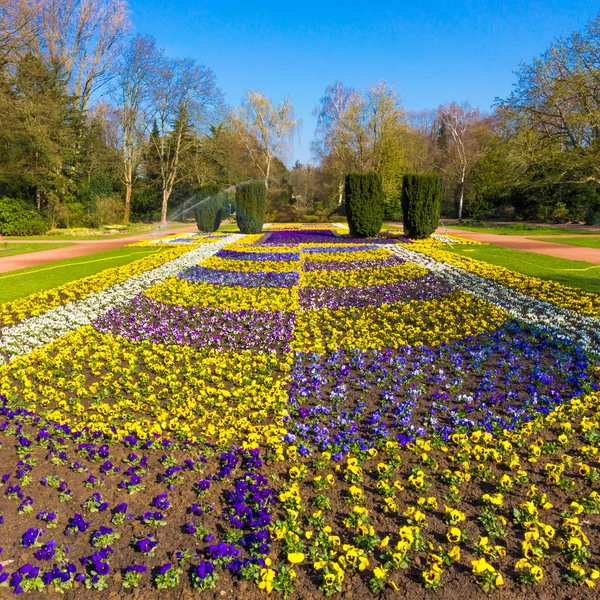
point(445, 234)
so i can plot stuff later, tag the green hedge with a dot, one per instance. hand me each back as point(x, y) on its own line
point(364, 204)
point(251, 200)
point(421, 204)
point(19, 218)
point(209, 211)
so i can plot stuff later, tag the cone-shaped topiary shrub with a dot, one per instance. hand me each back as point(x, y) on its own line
point(209, 211)
point(421, 204)
point(364, 204)
point(250, 200)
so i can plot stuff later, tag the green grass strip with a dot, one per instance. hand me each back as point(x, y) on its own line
point(21, 283)
point(572, 273)
point(586, 242)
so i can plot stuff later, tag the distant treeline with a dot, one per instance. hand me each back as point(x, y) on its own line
point(102, 127)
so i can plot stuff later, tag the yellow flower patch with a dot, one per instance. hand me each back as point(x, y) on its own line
point(251, 266)
point(186, 293)
point(377, 253)
point(92, 379)
point(391, 326)
point(247, 240)
point(362, 277)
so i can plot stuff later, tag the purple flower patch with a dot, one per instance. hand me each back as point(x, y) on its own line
point(147, 319)
point(240, 278)
point(423, 288)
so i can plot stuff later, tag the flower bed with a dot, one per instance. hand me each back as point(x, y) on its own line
point(584, 303)
point(303, 419)
point(16, 311)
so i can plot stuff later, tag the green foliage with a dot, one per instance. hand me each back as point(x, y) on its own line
point(421, 204)
point(251, 200)
point(364, 204)
point(100, 185)
point(18, 218)
point(392, 207)
point(145, 203)
point(108, 210)
point(210, 210)
point(40, 130)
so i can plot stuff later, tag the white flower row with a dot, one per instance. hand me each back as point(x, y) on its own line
point(38, 331)
point(564, 323)
point(448, 239)
point(178, 238)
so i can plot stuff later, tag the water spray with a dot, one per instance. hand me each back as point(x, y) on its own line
point(186, 208)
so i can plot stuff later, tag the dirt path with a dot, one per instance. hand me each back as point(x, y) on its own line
point(591, 255)
point(79, 248)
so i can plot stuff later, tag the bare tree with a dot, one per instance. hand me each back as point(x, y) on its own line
point(422, 140)
point(266, 132)
point(82, 39)
point(134, 95)
point(184, 98)
point(330, 145)
point(304, 180)
point(464, 151)
point(362, 132)
point(18, 27)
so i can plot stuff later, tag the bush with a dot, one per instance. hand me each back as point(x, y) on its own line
point(421, 204)
point(108, 210)
point(560, 213)
point(251, 200)
point(286, 214)
point(364, 204)
point(75, 214)
point(209, 210)
point(209, 213)
point(19, 218)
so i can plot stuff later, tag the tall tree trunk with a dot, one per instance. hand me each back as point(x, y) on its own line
point(461, 188)
point(38, 198)
point(127, 203)
point(340, 192)
point(267, 174)
point(165, 202)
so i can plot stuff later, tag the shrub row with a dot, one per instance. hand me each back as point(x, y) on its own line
point(210, 208)
point(19, 218)
point(421, 204)
point(251, 201)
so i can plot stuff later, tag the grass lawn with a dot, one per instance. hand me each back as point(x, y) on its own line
point(573, 273)
point(27, 248)
point(518, 229)
point(136, 229)
point(21, 283)
point(587, 242)
point(229, 228)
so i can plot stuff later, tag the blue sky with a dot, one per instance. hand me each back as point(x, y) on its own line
point(431, 52)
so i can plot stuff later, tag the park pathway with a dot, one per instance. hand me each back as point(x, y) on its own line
point(79, 248)
point(517, 242)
